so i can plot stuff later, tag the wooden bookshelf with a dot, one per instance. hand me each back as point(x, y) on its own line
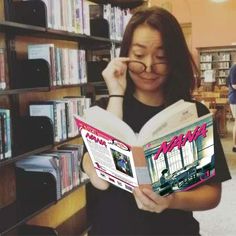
point(219, 59)
point(30, 81)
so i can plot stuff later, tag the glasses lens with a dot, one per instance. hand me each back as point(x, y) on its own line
point(159, 67)
point(136, 67)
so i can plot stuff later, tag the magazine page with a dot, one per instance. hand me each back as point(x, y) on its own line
point(111, 124)
point(112, 158)
point(183, 158)
point(173, 116)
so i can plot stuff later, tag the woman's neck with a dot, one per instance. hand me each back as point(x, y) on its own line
point(149, 98)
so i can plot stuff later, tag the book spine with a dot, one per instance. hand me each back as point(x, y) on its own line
point(58, 66)
point(7, 150)
point(2, 133)
point(78, 17)
point(2, 69)
point(63, 120)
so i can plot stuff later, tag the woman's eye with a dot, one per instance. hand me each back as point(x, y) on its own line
point(161, 58)
point(138, 56)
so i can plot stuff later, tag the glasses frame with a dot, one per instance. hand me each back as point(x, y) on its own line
point(144, 66)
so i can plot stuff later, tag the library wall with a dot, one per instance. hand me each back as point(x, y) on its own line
point(212, 24)
point(1, 10)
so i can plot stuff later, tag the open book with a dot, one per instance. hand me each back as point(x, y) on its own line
point(173, 151)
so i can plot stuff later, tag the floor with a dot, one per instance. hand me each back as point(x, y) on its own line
point(221, 220)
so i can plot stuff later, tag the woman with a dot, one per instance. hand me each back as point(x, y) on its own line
point(232, 100)
point(155, 70)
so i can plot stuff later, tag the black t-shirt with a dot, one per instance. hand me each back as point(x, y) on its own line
point(114, 211)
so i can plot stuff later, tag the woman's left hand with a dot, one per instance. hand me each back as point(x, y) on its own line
point(148, 200)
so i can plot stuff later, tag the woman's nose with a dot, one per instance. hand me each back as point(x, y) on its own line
point(148, 62)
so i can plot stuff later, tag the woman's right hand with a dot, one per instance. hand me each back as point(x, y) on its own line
point(115, 75)
point(91, 172)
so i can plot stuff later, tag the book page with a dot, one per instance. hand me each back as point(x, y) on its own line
point(172, 117)
point(111, 124)
point(112, 158)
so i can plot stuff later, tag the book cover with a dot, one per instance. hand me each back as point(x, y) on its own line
point(2, 69)
point(126, 159)
point(183, 158)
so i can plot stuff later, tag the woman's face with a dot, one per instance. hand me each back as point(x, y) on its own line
point(146, 47)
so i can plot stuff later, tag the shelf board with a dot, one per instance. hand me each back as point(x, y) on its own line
point(225, 48)
point(77, 224)
point(67, 140)
point(215, 61)
point(39, 89)
point(18, 157)
point(9, 26)
point(98, 83)
point(121, 3)
point(16, 214)
point(23, 90)
point(55, 87)
point(74, 189)
point(24, 29)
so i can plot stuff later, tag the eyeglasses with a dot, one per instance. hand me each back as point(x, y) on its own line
point(139, 67)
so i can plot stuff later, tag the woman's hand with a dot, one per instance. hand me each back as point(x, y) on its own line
point(115, 75)
point(91, 172)
point(148, 200)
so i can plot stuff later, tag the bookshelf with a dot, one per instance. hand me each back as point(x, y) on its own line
point(122, 3)
point(38, 211)
point(219, 59)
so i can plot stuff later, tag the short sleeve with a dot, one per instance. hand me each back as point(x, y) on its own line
point(232, 75)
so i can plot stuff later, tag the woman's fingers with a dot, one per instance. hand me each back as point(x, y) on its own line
point(115, 75)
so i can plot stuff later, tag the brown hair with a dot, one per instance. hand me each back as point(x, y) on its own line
point(180, 81)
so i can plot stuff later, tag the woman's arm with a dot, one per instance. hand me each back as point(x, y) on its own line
point(202, 198)
point(115, 78)
point(91, 172)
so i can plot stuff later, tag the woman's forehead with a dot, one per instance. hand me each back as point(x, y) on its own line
point(144, 37)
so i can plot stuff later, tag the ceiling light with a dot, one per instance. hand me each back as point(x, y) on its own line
point(219, 1)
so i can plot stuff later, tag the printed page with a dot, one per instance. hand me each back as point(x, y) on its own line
point(112, 158)
point(111, 124)
point(172, 117)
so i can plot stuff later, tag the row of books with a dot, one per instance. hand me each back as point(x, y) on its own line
point(5, 134)
point(61, 113)
point(75, 15)
point(116, 17)
point(67, 66)
point(63, 164)
point(2, 69)
point(215, 57)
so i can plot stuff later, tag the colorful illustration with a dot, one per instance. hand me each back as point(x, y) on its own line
point(182, 159)
point(122, 162)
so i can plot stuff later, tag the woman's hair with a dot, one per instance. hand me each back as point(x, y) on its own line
point(181, 67)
